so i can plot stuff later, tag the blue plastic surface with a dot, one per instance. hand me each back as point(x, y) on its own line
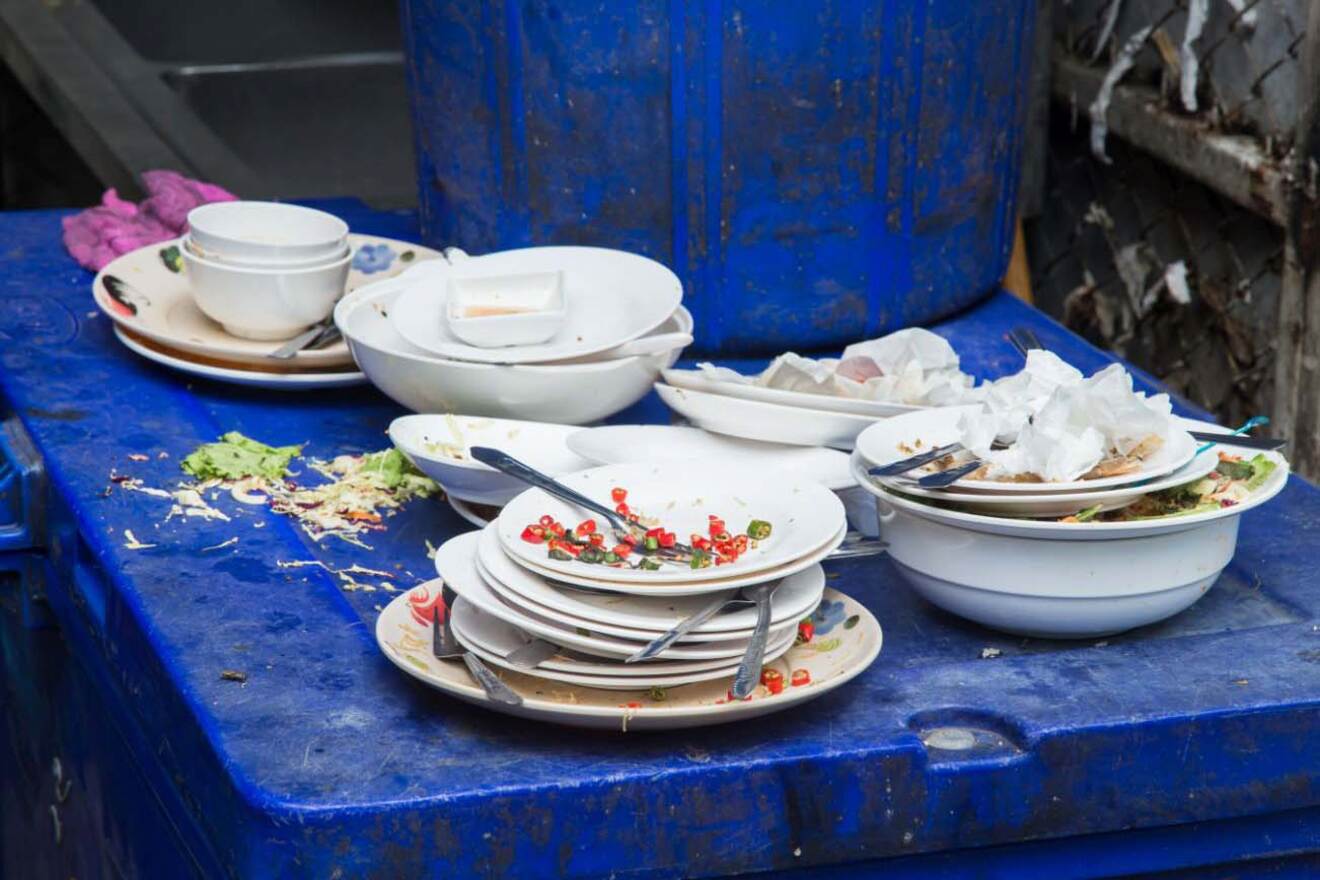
point(1095, 760)
point(816, 173)
point(22, 489)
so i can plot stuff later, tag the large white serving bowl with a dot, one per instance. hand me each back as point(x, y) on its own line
point(265, 232)
point(438, 445)
point(1058, 580)
point(265, 304)
point(572, 394)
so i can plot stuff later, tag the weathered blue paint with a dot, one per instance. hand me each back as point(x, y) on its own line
point(815, 172)
point(1185, 745)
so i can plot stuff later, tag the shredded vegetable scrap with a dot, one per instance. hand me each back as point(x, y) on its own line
point(348, 496)
point(1228, 485)
point(234, 456)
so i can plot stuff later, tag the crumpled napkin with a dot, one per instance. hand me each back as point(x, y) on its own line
point(99, 234)
point(1073, 429)
point(912, 366)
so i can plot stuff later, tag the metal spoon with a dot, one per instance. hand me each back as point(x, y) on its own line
point(686, 625)
point(749, 671)
point(313, 337)
point(446, 647)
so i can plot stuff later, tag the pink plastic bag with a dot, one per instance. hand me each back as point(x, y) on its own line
point(97, 235)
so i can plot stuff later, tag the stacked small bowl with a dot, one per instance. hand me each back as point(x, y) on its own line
point(265, 270)
point(400, 336)
point(1014, 557)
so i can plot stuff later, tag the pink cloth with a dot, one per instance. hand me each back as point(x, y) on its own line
point(96, 236)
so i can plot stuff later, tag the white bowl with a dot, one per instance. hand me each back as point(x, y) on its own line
point(572, 394)
point(1060, 580)
point(532, 304)
point(265, 232)
point(265, 303)
point(187, 244)
point(439, 444)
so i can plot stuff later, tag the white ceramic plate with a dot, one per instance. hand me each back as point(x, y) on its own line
point(492, 640)
point(1056, 503)
point(302, 380)
point(159, 305)
point(612, 297)
point(640, 444)
point(770, 422)
point(456, 563)
point(803, 515)
point(695, 380)
point(696, 588)
point(439, 444)
point(832, 659)
point(544, 393)
point(1062, 531)
point(647, 616)
point(909, 434)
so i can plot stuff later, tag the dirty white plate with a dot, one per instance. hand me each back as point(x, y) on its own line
point(803, 515)
point(641, 444)
point(300, 380)
point(439, 445)
point(492, 640)
point(631, 616)
point(696, 588)
point(848, 640)
point(612, 297)
point(456, 563)
point(905, 435)
point(155, 301)
point(1062, 531)
point(760, 420)
point(696, 380)
point(1055, 504)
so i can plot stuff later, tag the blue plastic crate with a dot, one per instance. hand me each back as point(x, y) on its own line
point(1182, 746)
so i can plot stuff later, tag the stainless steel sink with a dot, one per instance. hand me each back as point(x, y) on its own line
point(271, 99)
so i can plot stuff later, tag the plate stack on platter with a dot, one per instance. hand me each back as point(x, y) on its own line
point(550, 334)
point(176, 303)
point(560, 630)
point(1077, 559)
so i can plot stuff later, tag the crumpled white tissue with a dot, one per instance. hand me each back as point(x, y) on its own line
point(1079, 424)
point(912, 366)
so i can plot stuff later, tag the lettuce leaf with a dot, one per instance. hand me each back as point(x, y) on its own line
point(234, 457)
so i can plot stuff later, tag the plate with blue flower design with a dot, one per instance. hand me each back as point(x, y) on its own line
point(146, 293)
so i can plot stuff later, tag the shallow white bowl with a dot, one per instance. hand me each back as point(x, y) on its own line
point(431, 442)
point(265, 303)
point(571, 394)
point(265, 232)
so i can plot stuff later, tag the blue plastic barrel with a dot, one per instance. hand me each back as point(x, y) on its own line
point(815, 172)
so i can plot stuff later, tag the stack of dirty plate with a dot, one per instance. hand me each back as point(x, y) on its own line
point(249, 279)
point(1050, 559)
point(566, 621)
point(553, 334)
point(775, 415)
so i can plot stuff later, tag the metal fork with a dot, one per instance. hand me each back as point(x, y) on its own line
point(446, 647)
